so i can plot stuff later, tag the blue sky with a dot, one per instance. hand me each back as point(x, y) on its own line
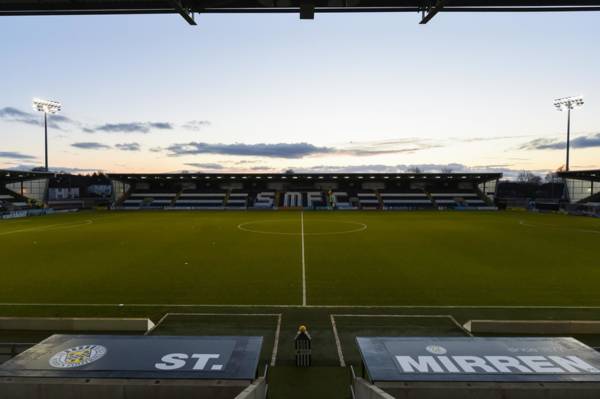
point(372, 92)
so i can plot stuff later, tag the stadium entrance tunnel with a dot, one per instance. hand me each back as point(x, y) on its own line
point(295, 227)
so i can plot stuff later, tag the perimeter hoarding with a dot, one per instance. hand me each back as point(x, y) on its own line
point(139, 357)
point(469, 359)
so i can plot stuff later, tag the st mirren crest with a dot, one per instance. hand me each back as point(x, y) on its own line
point(77, 356)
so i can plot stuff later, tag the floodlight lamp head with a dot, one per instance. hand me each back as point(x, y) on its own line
point(46, 106)
point(568, 103)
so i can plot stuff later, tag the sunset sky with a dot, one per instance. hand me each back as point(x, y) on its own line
point(262, 93)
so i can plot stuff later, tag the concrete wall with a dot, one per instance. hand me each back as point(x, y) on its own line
point(75, 324)
point(365, 390)
point(256, 390)
point(552, 327)
point(62, 388)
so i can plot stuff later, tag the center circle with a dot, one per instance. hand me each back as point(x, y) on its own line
point(285, 225)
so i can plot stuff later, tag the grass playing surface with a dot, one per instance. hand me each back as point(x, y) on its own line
point(350, 258)
point(162, 264)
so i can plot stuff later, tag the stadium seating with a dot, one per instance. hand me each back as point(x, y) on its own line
point(341, 200)
point(316, 200)
point(147, 196)
point(263, 200)
point(368, 200)
point(409, 199)
point(149, 200)
point(201, 200)
point(592, 199)
point(243, 192)
point(12, 201)
point(237, 201)
point(451, 199)
point(389, 199)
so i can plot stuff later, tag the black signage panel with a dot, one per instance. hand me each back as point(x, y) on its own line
point(479, 359)
point(113, 356)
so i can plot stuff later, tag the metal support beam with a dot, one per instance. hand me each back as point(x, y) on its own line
point(433, 11)
point(186, 13)
point(187, 8)
point(46, 141)
point(307, 11)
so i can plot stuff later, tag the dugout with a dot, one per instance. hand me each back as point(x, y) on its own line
point(154, 367)
point(469, 367)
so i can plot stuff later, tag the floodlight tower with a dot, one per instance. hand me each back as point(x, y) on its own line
point(568, 103)
point(47, 107)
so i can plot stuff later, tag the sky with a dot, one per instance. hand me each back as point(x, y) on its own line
point(268, 93)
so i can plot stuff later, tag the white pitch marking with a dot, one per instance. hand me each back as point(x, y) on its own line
point(361, 227)
point(157, 324)
point(460, 326)
point(338, 344)
point(303, 260)
point(50, 227)
point(208, 305)
point(523, 223)
point(276, 343)
point(223, 314)
point(408, 316)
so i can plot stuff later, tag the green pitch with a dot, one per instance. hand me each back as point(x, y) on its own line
point(286, 258)
point(181, 268)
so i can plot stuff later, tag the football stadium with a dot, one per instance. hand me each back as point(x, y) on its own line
point(222, 267)
point(348, 255)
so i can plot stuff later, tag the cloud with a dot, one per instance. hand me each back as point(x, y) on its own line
point(479, 139)
point(260, 168)
point(245, 161)
point(586, 141)
point(11, 114)
point(208, 165)
point(543, 144)
point(300, 150)
point(15, 155)
point(279, 150)
point(128, 146)
point(195, 125)
point(90, 146)
point(383, 147)
point(590, 141)
point(130, 127)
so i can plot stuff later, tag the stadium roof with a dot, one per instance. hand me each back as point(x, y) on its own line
point(479, 177)
point(589, 175)
point(306, 8)
point(15, 175)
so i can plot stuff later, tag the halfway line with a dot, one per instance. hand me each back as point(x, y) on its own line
point(303, 260)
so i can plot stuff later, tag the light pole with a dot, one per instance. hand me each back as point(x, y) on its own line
point(568, 103)
point(47, 107)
